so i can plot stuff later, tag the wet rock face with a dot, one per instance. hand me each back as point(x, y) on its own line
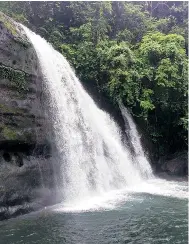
point(20, 87)
point(174, 165)
point(178, 165)
point(25, 152)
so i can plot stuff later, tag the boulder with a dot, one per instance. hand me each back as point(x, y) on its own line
point(176, 164)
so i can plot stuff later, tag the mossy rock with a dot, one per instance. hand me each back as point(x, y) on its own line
point(14, 30)
point(17, 77)
point(8, 133)
point(8, 24)
point(6, 109)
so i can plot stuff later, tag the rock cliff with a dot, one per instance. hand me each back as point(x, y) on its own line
point(26, 180)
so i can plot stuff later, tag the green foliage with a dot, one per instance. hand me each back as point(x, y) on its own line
point(132, 52)
point(146, 102)
point(55, 38)
point(125, 35)
point(164, 71)
point(117, 66)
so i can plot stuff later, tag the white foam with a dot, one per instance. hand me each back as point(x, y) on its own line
point(113, 199)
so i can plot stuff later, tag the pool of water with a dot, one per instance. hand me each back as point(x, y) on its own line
point(136, 217)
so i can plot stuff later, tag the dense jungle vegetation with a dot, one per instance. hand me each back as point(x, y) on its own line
point(132, 52)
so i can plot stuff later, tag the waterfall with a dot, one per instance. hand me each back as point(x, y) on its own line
point(139, 156)
point(93, 158)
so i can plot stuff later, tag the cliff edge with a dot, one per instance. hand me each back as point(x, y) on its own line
point(25, 154)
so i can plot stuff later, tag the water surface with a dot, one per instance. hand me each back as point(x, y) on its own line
point(137, 218)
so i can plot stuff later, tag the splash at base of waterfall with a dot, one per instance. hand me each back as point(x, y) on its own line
point(116, 198)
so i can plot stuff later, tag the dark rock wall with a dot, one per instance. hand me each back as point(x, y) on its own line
point(174, 164)
point(26, 173)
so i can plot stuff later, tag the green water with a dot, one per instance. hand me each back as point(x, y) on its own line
point(142, 219)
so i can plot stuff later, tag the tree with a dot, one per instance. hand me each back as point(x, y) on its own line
point(164, 71)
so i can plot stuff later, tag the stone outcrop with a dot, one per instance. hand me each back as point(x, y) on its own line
point(174, 165)
point(26, 171)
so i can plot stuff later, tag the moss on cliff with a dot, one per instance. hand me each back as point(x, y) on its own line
point(13, 29)
point(8, 24)
point(8, 133)
point(17, 77)
point(7, 109)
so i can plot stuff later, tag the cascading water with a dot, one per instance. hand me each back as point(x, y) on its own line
point(88, 140)
point(139, 155)
point(93, 159)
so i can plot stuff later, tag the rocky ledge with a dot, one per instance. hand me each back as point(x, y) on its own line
point(26, 171)
point(174, 165)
